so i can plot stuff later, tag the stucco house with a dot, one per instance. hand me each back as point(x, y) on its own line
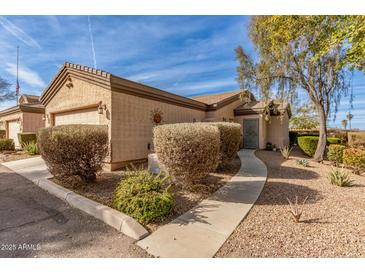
point(26, 117)
point(83, 95)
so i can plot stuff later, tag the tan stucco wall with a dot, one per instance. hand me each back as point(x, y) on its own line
point(32, 121)
point(262, 127)
point(81, 95)
point(132, 125)
point(226, 112)
point(278, 131)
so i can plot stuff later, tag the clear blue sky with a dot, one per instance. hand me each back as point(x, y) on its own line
point(186, 55)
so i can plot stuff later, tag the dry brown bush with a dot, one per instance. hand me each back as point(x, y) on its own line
point(189, 151)
point(74, 150)
point(230, 139)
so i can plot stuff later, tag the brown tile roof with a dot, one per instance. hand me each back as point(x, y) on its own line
point(216, 97)
point(31, 98)
point(33, 107)
point(258, 106)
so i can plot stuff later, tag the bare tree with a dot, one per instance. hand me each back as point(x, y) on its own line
point(5, 93)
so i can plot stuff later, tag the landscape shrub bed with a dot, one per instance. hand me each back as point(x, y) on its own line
point(189, 151)
point(230, 139)
point(26, 138)
point(308, 144)
point(335, 153)
point(144, 196)
point(6, 144)
point(74, 150)
point(355, 158)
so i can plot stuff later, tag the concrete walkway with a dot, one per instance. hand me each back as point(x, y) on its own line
point(34, 169)
point(202, 231)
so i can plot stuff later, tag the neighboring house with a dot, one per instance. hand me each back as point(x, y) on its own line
point(83, 95)
point(26, 117)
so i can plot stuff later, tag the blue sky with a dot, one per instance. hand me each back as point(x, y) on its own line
point(186, 55)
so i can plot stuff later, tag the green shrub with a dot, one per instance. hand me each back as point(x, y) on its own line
point(355, 158)
point(74, 150)
point(189, 151)
point(303, 162)
point(230, 139)
point(333, 141)
point(143, 196)
point(339, 178)
point(308, 144)
point(7, 144)
point(356, 139)
point(25, 138)
point(335, 153)
point(30, 148)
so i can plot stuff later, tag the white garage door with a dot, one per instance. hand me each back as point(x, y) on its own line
point(86, 117)
point(14, 129)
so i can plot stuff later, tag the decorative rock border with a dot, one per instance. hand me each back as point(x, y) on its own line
point(121, 222)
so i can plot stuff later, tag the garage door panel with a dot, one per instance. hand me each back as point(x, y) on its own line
point(86, 117)
point(14, 129)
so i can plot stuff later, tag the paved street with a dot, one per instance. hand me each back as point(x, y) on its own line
point(34, 223)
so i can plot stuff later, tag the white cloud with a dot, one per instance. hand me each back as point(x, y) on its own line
point(18, 33)
point(26, 75)
point(211, 86)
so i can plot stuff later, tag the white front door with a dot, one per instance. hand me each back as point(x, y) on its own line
point(14, 129)
point(85, 116)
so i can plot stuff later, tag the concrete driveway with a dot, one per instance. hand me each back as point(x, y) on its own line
point(34, 223)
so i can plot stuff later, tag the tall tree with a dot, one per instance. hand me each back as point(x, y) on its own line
point(5, 92)
point(288, 48)
point(344, 124)
point(349, 117)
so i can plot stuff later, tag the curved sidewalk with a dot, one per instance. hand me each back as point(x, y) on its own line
point(201, 231)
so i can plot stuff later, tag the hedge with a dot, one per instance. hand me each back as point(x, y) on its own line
point(230, 139)
point(335, 153)
point(355, 158)
point(7, 144)
point(26, 138)
point(308, 144)
point(189, 151)
point(143, 196)
point(74, 150)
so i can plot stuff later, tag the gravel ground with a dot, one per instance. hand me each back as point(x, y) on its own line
point(333, 220)
point(7, 156)
point(102, 190)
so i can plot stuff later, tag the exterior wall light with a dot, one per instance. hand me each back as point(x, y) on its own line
point(101, 107)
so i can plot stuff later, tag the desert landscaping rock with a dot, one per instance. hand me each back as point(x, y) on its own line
point(201, 231)
point(333, 220)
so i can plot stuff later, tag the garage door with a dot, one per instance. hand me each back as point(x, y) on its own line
point(14, 129)
point(87, 117)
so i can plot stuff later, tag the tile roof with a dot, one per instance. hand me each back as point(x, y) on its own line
point(210, 99)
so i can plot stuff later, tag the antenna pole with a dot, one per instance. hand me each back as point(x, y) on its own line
point(17, 75)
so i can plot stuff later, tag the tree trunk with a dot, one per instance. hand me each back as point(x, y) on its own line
point(321, 147)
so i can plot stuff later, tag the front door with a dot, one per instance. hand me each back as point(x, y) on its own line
point(14, 129)
point(251, 133)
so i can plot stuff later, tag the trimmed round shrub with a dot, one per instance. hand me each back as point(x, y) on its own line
point(308, 144)
point(142, 195)
point(189, 151)
point(7, 144)
point(355, 158)
point(74, 150)
point(333, 140)
point(230, 139)
point(335, 152)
